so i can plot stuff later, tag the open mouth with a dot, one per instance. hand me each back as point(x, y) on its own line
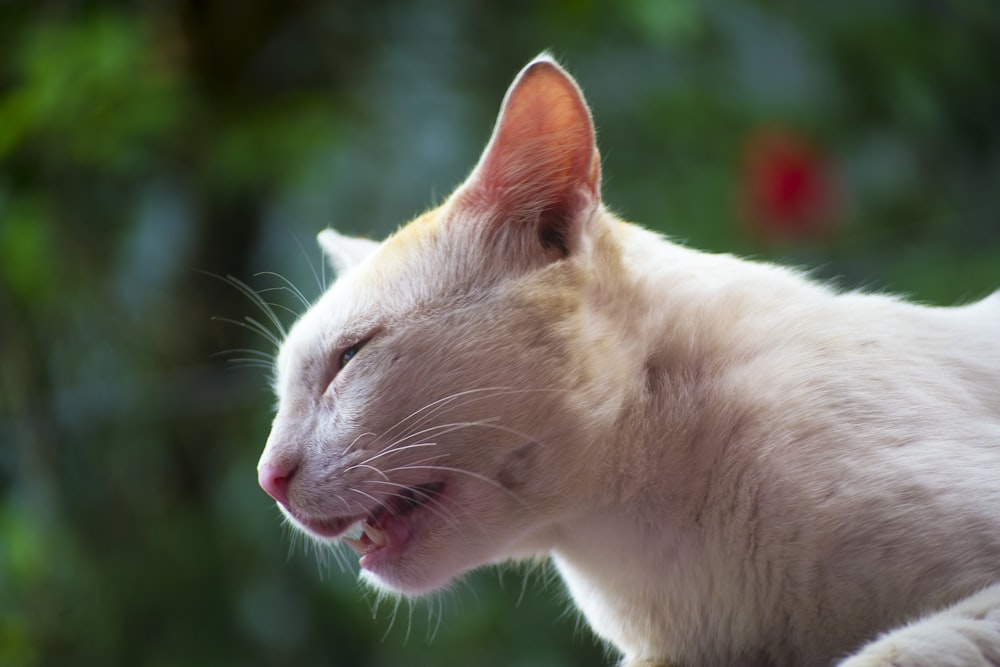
point(387, 528)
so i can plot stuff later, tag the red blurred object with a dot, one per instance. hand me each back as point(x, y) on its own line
point(788, 187)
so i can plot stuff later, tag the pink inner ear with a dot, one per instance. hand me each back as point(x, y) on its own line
point(541, 165)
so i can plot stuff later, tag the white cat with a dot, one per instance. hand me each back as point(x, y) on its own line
point(728, 463)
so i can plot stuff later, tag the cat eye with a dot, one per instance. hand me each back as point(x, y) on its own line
point(348, 354)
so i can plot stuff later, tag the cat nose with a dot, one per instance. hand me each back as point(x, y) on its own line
point(274, 480)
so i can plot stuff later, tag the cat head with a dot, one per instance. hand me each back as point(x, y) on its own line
point(436, 392)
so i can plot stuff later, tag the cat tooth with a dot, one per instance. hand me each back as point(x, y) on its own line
point(353, 538)
point(376, 535)
point(356, 545)
point(354, 532)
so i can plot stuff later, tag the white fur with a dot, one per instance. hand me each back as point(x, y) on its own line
point(729, 463)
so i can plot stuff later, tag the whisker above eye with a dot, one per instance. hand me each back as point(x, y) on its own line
point(320, 277)
point(252, 325)
point(282, 306)
point(250, 363)
point(288, 286)
point(269, 356)
point(253, 358)
point(260, 302)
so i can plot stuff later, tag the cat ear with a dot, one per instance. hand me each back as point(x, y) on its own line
point(541, 169)
point(344, 252)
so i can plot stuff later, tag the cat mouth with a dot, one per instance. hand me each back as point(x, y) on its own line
point(386, 529)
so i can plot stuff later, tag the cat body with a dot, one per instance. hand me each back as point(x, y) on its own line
point(728, 462)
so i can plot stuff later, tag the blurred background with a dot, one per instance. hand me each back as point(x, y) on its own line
point(149, 148)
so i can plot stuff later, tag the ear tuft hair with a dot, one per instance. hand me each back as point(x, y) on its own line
point(344, 252)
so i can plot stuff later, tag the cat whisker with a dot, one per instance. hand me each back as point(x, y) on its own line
point(254, 358)
point(378, 470)
point(261, 354)
point(293, 537)
point(288, 286)
point(250, 363)
point(440, 429)
point(391, 450)
point(320, 277)
point(392, 617)
point(396, 445)
point(490, 424)
point(370, 467)
point(462, 471)
point(375, 605)
point(271, 329)
point(427, 500)
point(444, 429)
point(343, 554)
point(355, 442)
point(375, 500)
point(426, 414)
point(323, 553)
point(347, 505)
point(433, 407)
point(432, 625)
point(472, 395)
point(409, 621)
point(261, 303)
point(282, 306)
point(253, 325)
point(263, 330)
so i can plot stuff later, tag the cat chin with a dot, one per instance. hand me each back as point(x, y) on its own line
point(403, 559)
point(430, 567)
point(427, 549)
point(435, 560)
point(424, 565)
point(407, 579)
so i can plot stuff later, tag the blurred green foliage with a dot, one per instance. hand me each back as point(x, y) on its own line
point(145, 145)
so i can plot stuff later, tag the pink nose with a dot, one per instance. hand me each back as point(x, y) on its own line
point(274, 479)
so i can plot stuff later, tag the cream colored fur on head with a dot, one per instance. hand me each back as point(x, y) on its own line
point(728, 463)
